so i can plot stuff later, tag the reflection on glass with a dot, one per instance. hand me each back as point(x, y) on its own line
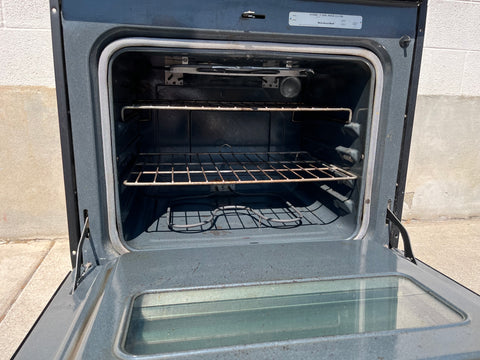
point(185, 320)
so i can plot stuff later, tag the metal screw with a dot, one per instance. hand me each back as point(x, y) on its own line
point(404, 41)
point(54, 10)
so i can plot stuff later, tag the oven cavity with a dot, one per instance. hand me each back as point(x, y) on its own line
point(232, 144)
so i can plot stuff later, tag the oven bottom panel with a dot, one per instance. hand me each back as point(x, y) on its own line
point(238, 213)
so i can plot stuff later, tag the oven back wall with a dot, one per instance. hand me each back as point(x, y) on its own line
point(32, 200)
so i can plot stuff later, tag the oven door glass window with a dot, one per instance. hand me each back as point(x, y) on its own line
point(186, 320)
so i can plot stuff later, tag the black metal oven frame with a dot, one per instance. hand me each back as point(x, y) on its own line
point(68, 160)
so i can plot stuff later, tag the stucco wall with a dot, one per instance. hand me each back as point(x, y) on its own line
point(32, 201)
point(26, 49)
point(444, 168)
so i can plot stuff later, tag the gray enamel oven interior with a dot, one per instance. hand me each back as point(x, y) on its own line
point(330, 210)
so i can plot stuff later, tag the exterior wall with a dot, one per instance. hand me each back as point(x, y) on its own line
point(32, 201)
point(444, 164)
point(443, 173)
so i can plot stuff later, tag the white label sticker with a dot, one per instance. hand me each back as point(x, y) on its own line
point(337, 21)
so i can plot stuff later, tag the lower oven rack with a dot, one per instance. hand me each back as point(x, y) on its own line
point(228, 168)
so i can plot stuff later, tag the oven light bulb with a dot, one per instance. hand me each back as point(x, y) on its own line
point(290, 87)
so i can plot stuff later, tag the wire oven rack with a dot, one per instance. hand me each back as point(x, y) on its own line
point(224, 168)
point(201, 105)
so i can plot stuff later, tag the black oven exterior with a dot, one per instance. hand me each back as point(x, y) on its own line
point(407, 42)
point(88, 315)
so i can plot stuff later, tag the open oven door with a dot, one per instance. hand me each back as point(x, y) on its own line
point(338, 287)
point(259, 301)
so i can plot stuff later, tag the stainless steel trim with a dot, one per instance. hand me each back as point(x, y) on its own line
point(103, 77)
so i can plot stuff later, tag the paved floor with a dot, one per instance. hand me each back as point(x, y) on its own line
point(32, 270)
point(452, 247)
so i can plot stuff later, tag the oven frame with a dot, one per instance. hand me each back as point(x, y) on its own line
point(65, 123)
point(65, 126)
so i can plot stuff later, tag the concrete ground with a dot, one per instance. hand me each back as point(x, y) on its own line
point(32, 270)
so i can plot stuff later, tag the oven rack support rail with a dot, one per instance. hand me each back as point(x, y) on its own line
point(237, 106)
point(227, 168)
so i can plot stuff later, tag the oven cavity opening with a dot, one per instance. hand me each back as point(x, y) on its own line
point(223, 145)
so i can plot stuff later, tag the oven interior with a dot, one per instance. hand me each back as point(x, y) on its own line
point(224, 145)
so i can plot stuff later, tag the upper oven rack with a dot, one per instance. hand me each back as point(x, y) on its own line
point(201, 105)
point(224, 168)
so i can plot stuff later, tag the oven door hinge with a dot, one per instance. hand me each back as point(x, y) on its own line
point(408, 252)
point(80, 268)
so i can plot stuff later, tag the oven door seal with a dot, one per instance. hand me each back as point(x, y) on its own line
point(105, 113)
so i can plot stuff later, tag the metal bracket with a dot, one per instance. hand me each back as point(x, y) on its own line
point(173, 78)
point(252, 15)
point(220, 70)
point(79, 256)
point(406, 239)
point(270, 82)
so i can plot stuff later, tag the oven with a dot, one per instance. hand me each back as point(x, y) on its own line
point(234, 174)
